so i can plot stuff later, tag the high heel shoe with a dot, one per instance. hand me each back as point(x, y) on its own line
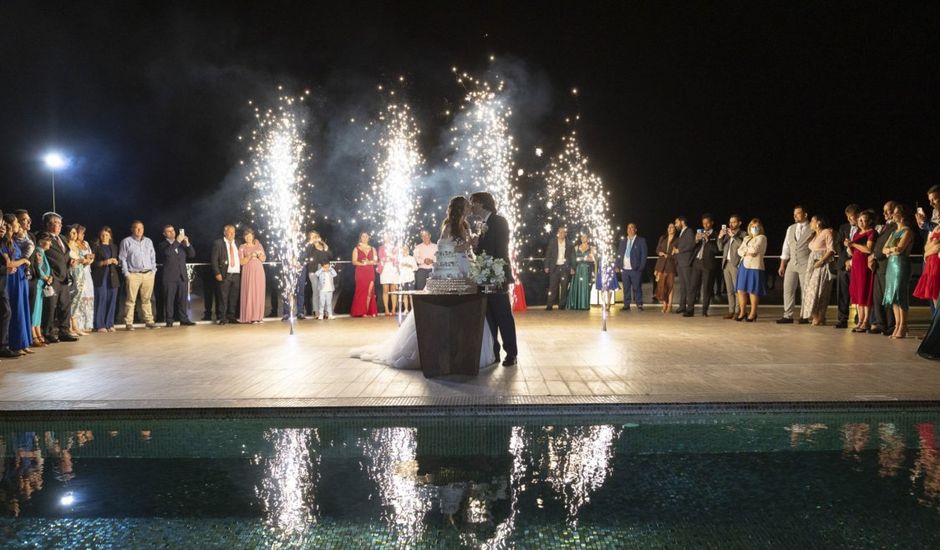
point(751, 319)
point(741, 318)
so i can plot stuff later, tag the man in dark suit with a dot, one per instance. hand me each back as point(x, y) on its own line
point(226, 268)
point(684, 249)
point(631, 260)
point(559, 260)
point(55, 314)
point(882, 321)
point(172, 252)
point(494, 241)
point(703, 266)
point(5, 312)
point(844, 263)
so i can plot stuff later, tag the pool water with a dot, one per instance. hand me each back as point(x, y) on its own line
point(851, 479)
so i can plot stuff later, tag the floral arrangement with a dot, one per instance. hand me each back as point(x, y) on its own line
point(485, 270)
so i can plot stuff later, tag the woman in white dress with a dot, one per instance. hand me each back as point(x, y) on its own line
point(400, 351)
point(388, 274)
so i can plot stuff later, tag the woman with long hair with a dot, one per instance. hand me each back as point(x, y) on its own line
point(20, 333)
point(388, 273)
point(251, 257)
point(77, 275)
point(752, 284)
point(818, 277)
point(579, 295)
point(665, 269)
point(861, 278)
point(106, 276)
point(898, 273)
point(316, 252)
point(364, 258)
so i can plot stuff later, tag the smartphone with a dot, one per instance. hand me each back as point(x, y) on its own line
point(724, 227)
point(182, 232)
point(699, 231)
point(920, 210)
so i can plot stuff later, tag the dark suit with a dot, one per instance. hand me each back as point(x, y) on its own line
point(55, 311)
point(558, 273)
point(495, 242)
point(882, 317)
point(107, 281)
point(633, 277)
point(843, 276)
point(229, 288)
point(704, 265)
point(686, 244)
point(175, 280)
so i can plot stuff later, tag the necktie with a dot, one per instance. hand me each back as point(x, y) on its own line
point(231, 254)
point(59, 240)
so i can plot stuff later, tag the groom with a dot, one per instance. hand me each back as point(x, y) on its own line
point(494, 241)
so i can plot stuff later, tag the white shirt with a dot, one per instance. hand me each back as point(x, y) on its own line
point(561, 252)
point(626, 253)
point(229, 249)
point(425, 251)
point(406, 269)
point(799, 228)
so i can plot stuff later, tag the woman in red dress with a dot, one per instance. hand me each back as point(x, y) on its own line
point(861, 277)
point(928, 286)
point(364, 258)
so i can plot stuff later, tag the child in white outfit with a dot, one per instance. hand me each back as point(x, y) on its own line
point(326, 276)
point(406, 275)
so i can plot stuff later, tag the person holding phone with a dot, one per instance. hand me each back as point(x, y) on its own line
point(173, 251)
point(925, 224)
point(251, 258)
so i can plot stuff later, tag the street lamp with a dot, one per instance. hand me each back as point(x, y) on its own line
point(54, 161)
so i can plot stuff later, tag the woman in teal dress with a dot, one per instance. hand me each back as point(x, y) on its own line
point(579, 294)
point(898, 274)
point(45, 275)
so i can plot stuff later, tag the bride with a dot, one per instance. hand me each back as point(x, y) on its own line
point(400, 351)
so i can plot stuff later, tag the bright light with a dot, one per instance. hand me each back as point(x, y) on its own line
point(67, 500)
point(54, 161)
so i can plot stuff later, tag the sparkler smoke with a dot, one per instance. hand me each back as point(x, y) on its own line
point(575, 197)
point(276, 173)
point(483, 150)
point(391, 202)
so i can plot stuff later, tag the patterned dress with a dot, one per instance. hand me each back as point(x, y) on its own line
point(579, 294)
point(818, 279)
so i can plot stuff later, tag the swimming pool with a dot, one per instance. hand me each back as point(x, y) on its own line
point(738, 479)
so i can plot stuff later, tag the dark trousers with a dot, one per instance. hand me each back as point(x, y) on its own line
point(209, 290)
point(226, 307)
point(105, 305)
point(632, 286)
point(882, 316)
point(299, 292)
point(175, 300)
point(421, 278)
point(5, 314)
point(687, 296)
point(499, 317)
point(842, 289)
point(558, 285)
point(55, 311)
point(702, 282)
point(32, 296)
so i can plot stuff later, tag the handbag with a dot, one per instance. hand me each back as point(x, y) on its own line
point(48, 291)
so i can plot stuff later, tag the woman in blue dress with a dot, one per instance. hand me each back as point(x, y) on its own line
point(17, 288)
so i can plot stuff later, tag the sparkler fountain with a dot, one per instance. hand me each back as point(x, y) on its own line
point(576, 195)
point(483, 151)
point(275, 171)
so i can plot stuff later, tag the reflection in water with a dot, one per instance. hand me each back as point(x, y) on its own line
point(578, 462)
point(855, 438)
point(287, 490)
point(891, 450)
point(801, 434)
point(393, 465)
point(927, 466)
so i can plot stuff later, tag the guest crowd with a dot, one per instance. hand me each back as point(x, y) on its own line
point(58, 284)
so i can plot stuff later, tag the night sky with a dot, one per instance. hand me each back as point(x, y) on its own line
point(744, 107)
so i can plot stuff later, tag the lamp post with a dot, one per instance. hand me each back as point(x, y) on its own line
point(54, 161)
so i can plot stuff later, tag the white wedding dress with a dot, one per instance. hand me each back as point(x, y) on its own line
point(400, 351)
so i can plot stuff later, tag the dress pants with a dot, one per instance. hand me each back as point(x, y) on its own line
point(325, 303)
point(315, 292)
point(703, 280)
point(32, 295)
point(632, 286)
point(209, 290)
point(227, 301)
point(421, 278)
point(558, 285)
point(175, 300)
point(730, 273)
point(141, 283)
point(56, 311)
point(793, 278)
point(842, 291)
point(687, 296)
point(499, 317)
point(5, 314)
point(299, 289)
point(105, 304)
point(882, 316)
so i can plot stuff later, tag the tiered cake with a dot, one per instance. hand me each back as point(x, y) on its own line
point(446, 277)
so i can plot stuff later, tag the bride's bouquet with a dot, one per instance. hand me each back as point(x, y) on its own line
point(487, 271)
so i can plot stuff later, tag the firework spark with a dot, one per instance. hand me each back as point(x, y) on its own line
point(484, 150)
point(277, 155)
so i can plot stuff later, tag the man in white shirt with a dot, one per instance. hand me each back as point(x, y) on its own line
point(227, 270)
point(425, 255)
point(793, 261)
point(558, 266)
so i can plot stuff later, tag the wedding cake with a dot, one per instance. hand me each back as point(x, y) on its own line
point(447, 277)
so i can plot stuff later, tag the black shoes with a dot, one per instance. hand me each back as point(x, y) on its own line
point(510, 361)
point(10, 354)
point(67, 338)
point(842, 324)
point(804, 321)
point(187, 323)
point(784, 321)
point(688, 314)
point(169, 324)
point(639, 307)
